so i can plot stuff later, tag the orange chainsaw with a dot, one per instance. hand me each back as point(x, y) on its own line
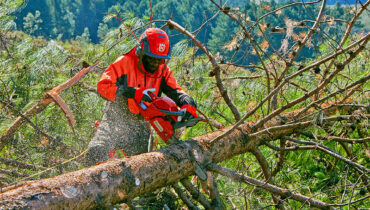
point(163, 115)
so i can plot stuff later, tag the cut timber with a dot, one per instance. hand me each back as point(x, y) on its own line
point(124, 179)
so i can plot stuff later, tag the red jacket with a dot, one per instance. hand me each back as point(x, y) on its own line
point(123, 77)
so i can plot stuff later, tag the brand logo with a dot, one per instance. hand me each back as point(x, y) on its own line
point(161, 47)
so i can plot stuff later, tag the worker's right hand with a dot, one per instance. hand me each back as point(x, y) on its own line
point(190, 112)
point(141, 94)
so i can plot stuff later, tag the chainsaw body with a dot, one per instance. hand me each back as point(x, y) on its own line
point(162, 113)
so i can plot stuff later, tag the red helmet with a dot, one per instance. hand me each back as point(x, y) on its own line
point(154, 42)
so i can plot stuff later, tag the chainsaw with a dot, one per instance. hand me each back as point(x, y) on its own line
point(163, 115)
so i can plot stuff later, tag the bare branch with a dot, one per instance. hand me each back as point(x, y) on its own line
point(293, 148)
point(281, 159)
point(20, 164)
point(266, 171)
point(281, 8)
point(339, 68)
point(40, 106)
point(215, 67)
point(184, 197)
point(360, 81)
point(358, 167)
point(298, 86)
point(214, 193)
point(246, 77)
point(196, 194)
point(24, 117)
point(346, 34)
point(352, 202)
point(339, 139)
point(253, 43)
point(275, 90)
point(305, 39)
point(284, 193)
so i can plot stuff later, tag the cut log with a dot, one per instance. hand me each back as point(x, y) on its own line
point(121, 180)
point(124, 179)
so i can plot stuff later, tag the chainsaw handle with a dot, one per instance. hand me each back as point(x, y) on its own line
point(149, 92)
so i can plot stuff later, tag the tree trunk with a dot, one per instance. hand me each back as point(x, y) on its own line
point(121, 180)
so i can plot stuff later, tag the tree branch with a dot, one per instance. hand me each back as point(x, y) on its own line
point(215, 67)
point(184, 197)
point(284, 193)
point(20, 164)
point(360, 81)
point(214, 193)
point(346, 34)
point(339, 68)
point(352, 202)
point(286, 79)
point(196, 194)
point(41, 105)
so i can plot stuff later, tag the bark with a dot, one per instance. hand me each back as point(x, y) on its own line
point(121, 180)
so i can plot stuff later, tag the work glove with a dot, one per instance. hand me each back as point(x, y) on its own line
point(141, 94)
point(123, 89)
point(190, 112)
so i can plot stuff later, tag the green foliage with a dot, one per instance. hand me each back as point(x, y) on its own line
point(32, 66)
point(7, 7)
point(31, 22)
point(85, 36)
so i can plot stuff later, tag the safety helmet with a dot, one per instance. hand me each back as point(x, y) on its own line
point(154, 42)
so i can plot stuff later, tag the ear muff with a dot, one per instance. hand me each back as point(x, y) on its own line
point(142, 46)
point(139, 50)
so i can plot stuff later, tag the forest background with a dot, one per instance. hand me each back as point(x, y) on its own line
point(46, 42)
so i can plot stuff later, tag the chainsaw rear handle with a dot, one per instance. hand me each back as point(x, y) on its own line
point(148, 92)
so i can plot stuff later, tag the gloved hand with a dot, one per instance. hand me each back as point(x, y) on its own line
point(123, 89)
point(141, 94)
point(190, 112)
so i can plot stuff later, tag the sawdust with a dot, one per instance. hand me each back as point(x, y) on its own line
point(119, 129)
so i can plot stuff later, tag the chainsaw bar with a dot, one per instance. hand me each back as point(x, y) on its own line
point(188, 123)
point(199, 170)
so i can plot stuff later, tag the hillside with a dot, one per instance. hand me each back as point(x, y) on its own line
point(282, 91)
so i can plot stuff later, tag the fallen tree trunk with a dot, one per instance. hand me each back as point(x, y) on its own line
point(124, 179)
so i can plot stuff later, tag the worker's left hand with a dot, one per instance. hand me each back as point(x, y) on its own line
point(190, 112)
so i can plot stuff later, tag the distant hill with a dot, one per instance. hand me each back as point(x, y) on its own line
point(344, 2)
